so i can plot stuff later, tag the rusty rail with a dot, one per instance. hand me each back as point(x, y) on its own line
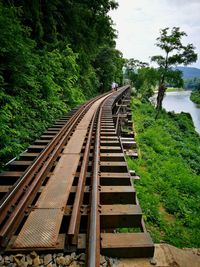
point(94, 217)
point(100, 197)
point(76, 213)
point(23, 192)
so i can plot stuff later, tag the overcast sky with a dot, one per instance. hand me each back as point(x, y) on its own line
point(138, 23)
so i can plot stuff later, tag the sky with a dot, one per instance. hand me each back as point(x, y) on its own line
point(138, 23)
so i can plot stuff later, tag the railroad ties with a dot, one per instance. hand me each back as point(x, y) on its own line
point(79, 195)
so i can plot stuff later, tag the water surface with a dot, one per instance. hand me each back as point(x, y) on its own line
point(180, 101)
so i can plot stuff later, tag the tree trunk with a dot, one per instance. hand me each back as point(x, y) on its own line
point(161, 93)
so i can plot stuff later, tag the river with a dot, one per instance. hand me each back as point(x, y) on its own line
point(180, 101)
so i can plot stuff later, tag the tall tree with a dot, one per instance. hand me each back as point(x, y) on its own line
point(170, 41)
point(108, 65)
point(142, 77)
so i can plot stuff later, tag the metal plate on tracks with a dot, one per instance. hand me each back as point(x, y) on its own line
point(45, 230)
point(56, 192)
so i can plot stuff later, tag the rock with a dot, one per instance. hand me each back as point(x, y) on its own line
point(60, 255)
point(82, 257)
point(33, 255)
point(102, 259)
point(6, 259)
point(11, 258)
point(36, 261)
point(23, 264)
point(153, 261)
point(73, 255)
point(74, 264)
point(47, 259)
point(17, 261)
point(29, 260)
point(68, 260)
point(19, 256)
point(60, 261)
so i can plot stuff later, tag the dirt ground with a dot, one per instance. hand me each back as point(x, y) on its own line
point(166, 256)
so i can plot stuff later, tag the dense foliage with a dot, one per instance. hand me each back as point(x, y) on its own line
point(53, 55)
point(169, 166)
point(195, 96)
point(192, 84)
point(143, 78)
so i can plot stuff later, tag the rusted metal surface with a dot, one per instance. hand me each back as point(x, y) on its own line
point(56, 193)
point(80, 183)
point(76, 214)
point(123, 245)
point(27, 186)
point(127, 245)
point(40, 230)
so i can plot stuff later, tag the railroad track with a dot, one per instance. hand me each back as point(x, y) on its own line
point(72, 190)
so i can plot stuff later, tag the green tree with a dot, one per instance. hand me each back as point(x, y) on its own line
point(147, 82)
point(142, 77)
point(174, 53)
point(132, 66)
point(108, 65)
point(85, 25)
point(47, 55)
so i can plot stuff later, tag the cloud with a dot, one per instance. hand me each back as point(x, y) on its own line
point(138, 23)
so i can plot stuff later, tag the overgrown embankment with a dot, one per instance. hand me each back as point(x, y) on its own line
point(169, 166)
point(195, 96)
point(54, 55)
point(36, 85)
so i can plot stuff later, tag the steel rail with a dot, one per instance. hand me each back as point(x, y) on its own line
point(93, 257)
point(93, 238)
point(76, 213)
point(74, 224)
point(16, 201)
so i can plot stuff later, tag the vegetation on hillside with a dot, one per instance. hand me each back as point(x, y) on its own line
point(169, 166)
point(192, 84)
point(189, 72)
point(54, 55)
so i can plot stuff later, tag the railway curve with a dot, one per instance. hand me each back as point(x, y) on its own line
point(72, 191)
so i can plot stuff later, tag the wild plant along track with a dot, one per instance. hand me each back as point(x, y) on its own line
point(72, 191)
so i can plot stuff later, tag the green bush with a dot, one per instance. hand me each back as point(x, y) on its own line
point(169, 188)
point(195, 96)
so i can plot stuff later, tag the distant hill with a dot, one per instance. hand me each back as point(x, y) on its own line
point(189, 72)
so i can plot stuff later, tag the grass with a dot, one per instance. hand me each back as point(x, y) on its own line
point(173, 89)
point(169, 166)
